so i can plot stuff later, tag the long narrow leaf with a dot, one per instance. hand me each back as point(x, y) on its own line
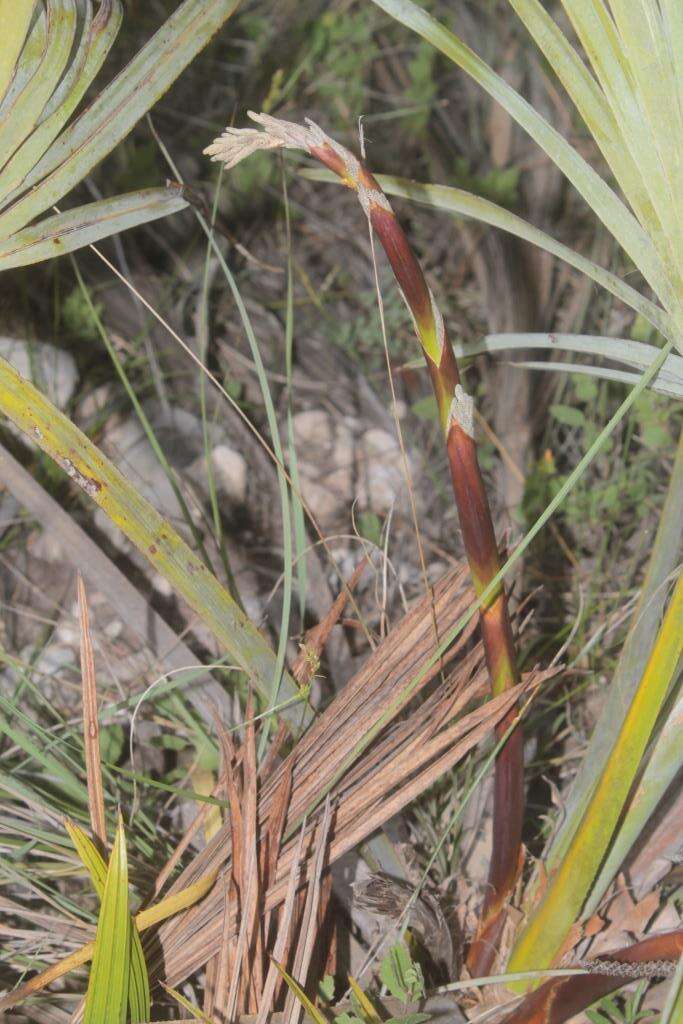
point(599, 196)
point(669, 380)
point(118, 107)
point(15, 18)
point(71, 230)
point(54, 769)
point(106, 1000)
point(144, 919)
point(664, 765)
point(631, 664)
point(617, 376)
point(142, 524)
point(591, 103)
point(466, 204)
point(97, 38)
point(549, 925)
point(139, 998)
point(25, 112)
point(28, 63)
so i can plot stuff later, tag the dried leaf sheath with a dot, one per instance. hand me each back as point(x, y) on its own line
point(456, 418)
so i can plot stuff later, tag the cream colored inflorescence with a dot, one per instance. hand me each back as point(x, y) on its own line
point(236, 144)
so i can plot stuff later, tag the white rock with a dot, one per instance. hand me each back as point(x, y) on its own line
point(312, 427)
point(114, 629)
point(94, 403)
point(382, 476)
point(51, 369)
point(230, 473)
point(161, 585)
point(326, 460)
point(42, 544)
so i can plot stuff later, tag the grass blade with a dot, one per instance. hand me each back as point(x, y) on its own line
point(176, 902)
point(637, 354)
point(106, 1000)
point(665, 762)
point(91, 858)
point(631, 664)
point(139, 998)
point(144, 919)
point(40, 750)
point(73, 229)
point(618, 376)
point(317, 1016)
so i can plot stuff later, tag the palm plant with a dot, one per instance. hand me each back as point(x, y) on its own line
point(632, 102)
point(631, 99)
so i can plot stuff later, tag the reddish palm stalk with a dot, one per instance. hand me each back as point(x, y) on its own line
point(456, 418)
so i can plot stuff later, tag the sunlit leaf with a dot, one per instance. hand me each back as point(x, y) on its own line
point(570, 885)
point(138, 983)
point(106, 1000)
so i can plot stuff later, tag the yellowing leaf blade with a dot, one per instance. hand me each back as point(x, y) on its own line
point(138, 988)
point(38, 418)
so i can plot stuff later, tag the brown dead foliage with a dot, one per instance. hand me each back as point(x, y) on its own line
point(372, 751)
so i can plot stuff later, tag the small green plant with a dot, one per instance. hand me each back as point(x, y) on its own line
point(613, 1010)
point(398, 972)
point(401, 974)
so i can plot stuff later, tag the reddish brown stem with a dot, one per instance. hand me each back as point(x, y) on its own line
point(455, 415)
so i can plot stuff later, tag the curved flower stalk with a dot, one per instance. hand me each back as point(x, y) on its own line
point(455, 408)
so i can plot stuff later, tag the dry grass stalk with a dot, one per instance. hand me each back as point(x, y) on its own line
point(322, 749)
point(283, 936)
point(366, 783)
point(407, 757)
point(194, 827)
point(254, 942)
point(91, 724)
point(307, 663)
point(309, 922)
